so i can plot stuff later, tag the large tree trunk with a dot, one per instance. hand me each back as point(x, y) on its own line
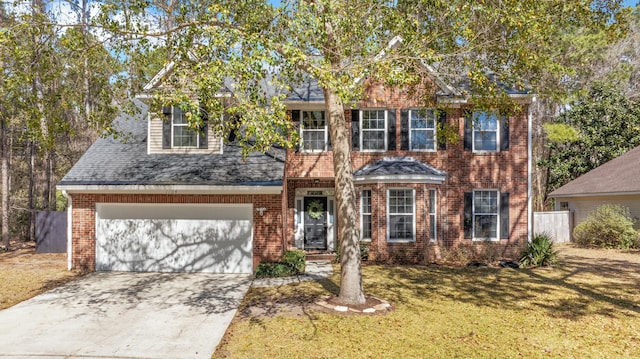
point(4, 173)
point(351, 291)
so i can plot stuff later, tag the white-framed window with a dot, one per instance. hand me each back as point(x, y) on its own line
point(422, 130)
point(365, 215)
point(486, 131)
point(564, 206)
point(314, 131)
point(181, 134)
point(432, 215)
point(401, 215)
point(373, 126)
point(486, 209)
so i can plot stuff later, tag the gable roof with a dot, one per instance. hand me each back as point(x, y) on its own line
point(618, 176)
point(112, 164)
point(399, 169)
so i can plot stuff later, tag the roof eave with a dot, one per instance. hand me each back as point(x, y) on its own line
point(171, 189)
point(430, 179)
point(597, 194)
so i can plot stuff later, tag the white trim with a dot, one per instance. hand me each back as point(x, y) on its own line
point(171, 189)
point(384, 130)
point(155, 81)
point(435, 130)
point(149, 132)
point(305, 105)
point(430, 179)
point(473, 215)
point(530, 172)
point(600, 194)
point(413, 224)
point(434, 213)
point(370, 213)
point(431, 73)
point(69, 230)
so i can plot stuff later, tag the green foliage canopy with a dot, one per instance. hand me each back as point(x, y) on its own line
point(595, 130)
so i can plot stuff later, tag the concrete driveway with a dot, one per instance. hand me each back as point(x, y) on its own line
point(125, 315)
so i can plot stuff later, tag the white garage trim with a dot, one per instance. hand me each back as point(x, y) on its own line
point(215, 238)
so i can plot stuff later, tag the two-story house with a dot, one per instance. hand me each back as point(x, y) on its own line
point(417, 192)
point(170, 198)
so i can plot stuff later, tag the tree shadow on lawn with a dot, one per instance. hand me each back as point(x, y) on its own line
point(563, 292)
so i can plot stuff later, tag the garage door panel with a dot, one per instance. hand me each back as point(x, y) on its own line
point(176, 245)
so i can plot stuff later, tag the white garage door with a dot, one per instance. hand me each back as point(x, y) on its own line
point(174, 238)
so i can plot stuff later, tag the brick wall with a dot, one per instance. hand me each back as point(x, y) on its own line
point(267, 229)
point(505, 171)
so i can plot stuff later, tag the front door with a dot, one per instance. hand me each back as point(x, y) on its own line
point(315, 223)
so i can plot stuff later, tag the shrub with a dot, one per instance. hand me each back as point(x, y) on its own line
point(296, 259)
point(539, 252)
point(609, 226)
point(364, 251)
point(293, 263)
point(273, 269)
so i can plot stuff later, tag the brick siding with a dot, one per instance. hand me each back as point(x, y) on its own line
point(505, 171)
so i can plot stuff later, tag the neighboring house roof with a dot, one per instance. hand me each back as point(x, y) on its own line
point(399, 169)
point(618, 176)
point(122, 162)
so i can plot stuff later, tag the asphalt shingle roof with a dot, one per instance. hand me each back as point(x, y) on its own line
point(620, 175)
point(398, 166)
point(111, 161)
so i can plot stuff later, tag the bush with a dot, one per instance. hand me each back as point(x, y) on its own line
point(609, 226)
point(293, 263)
point(274, 269)
point(296, 259)
point(539, 252)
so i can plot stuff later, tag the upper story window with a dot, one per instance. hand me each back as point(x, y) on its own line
point(182, 135)
point(485, 131)
point(401, 215)
point(422, 130)
point(373, 124)
point(178, 133)
point(314, 131)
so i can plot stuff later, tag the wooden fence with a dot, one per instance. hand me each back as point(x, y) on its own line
point(51, 232)
point(558, 224)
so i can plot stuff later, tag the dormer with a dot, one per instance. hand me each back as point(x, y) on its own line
point(169, 131)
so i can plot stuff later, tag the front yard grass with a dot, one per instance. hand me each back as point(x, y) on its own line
point(587, 308)
point(24, 274)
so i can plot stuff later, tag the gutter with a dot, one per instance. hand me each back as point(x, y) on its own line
point(530, 171)
point(170, 189)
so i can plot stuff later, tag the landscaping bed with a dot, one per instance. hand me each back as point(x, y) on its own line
point(588, 307)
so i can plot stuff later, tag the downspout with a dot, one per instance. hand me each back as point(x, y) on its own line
point(530, 171)
point(69, 229)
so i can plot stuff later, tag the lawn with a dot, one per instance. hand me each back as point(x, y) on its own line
point(24, 274)
point(587, 308)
